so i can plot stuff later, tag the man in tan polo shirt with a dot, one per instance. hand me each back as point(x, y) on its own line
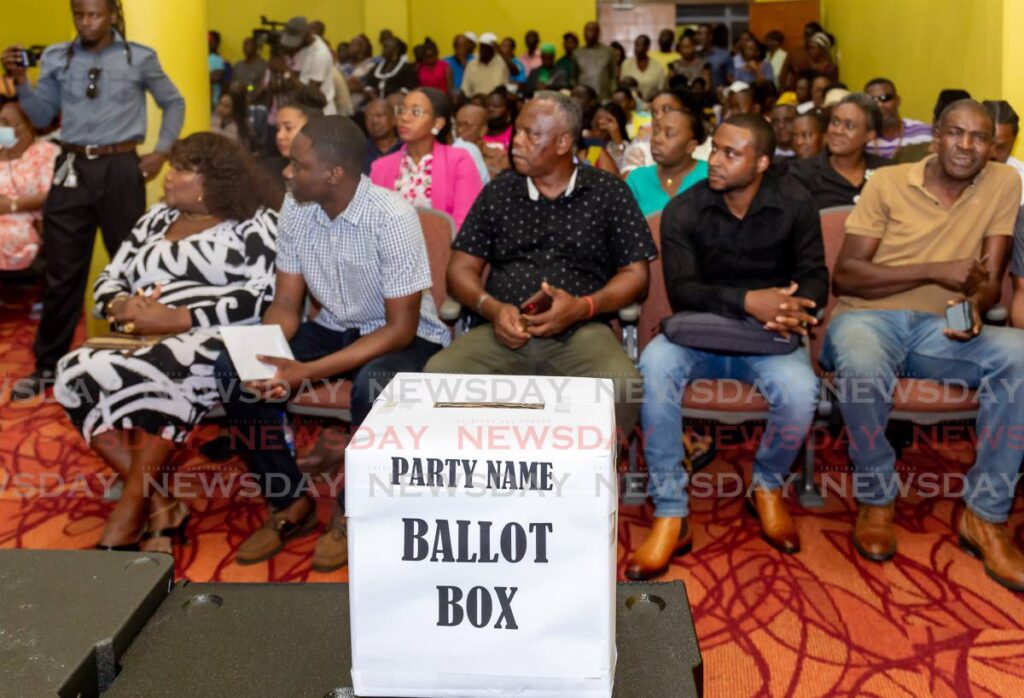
point(924, 235)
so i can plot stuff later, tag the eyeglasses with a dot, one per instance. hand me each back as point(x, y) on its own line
point(882, 99)
point(416, 112)
point(93, 90)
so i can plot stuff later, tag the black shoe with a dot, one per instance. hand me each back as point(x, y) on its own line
point(33, 385)
point(176, 534)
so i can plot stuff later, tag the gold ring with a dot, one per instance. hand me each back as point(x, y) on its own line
point(129, 327)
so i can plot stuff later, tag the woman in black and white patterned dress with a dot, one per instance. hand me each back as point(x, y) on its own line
point(202, 258)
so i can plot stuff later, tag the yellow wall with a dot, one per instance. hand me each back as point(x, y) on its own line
point(412, 20)
point(443, 19)
point(1013, 61)
point(30, 22)
point(235, 19)
point(924, 46)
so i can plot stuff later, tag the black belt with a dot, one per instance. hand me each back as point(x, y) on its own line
point(91, 152)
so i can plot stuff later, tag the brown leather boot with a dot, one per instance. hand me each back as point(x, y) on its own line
point(777, 527)
point(669, 536)
point(280, 526)
point(991, 544)
point(332, 548)
point(874, 536)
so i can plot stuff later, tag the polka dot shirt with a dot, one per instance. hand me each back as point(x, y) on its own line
point(576, 242)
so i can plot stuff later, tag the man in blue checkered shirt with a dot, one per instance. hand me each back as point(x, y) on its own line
point(358, 250)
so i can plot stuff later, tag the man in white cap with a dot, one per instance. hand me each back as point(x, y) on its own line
point(463, 45)
point(311, 58)
point(487, 72)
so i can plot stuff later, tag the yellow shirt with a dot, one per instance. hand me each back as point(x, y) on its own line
point(914, 228)
point(665, 59)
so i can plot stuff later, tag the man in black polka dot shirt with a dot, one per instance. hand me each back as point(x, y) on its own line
point(567, 248)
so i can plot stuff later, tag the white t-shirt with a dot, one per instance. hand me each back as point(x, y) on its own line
point(314, 63)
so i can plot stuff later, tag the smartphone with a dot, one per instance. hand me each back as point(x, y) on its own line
point(29, 58)
point(535, 306)
point(960, 317)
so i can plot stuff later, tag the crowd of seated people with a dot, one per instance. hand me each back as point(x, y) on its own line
point(550, 168)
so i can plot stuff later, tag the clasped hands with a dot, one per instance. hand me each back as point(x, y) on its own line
point(143, 314)
point(779, 310)
point(514, 328)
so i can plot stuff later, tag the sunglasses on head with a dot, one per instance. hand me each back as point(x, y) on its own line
point(93, 89)
point(885, 98)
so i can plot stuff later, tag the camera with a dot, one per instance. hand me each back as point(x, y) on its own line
point(268, 33)
point(29, 57)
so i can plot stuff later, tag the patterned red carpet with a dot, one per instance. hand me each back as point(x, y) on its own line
point(823, 622)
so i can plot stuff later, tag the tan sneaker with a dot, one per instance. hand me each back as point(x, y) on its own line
point(268, 540)
point(332, 549)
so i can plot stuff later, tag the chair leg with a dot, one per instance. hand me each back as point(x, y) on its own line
point(808, 493)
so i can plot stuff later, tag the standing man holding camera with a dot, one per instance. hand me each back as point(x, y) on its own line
point(97, 84)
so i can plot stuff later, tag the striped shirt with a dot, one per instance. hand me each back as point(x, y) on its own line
point(372, 251)
point(914, 132)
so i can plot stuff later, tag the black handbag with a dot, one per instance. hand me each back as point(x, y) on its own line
point(725, 335)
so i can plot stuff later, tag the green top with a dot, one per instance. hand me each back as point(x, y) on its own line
point(646, 187)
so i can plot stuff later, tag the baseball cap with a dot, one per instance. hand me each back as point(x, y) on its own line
point(822, 39)
point(786, 98)
point(547, 48)
point(294, 32)
point(471, 36)
point(738, 86)
point(488, 38)
point(835, 96)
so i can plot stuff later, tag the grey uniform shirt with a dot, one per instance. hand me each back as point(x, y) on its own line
point(118, 111)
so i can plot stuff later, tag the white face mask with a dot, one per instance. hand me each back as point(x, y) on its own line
point(8, 139)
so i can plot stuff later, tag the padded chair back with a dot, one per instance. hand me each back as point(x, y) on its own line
point(833, 229)
point(438, 233)
point(656, 307)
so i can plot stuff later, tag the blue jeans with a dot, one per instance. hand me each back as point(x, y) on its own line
point(786, 380)
point(276, 461)
point(868, 349)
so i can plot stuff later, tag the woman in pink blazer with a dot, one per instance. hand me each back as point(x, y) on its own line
point(426, 172)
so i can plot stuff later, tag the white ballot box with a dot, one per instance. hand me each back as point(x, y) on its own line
point(482, 538)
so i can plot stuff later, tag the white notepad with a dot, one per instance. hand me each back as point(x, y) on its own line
point(245, 343)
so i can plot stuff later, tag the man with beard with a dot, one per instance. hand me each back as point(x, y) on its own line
point(359, 252)
point(566, 247)
point(926, 236)
point(741, 244)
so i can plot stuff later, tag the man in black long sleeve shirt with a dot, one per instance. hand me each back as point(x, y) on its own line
point(741, 244)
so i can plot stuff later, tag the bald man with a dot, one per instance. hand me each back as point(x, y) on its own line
point(469, 129)
point(470, 126)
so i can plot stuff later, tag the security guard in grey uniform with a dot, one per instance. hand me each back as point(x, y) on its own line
point(97, 84)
